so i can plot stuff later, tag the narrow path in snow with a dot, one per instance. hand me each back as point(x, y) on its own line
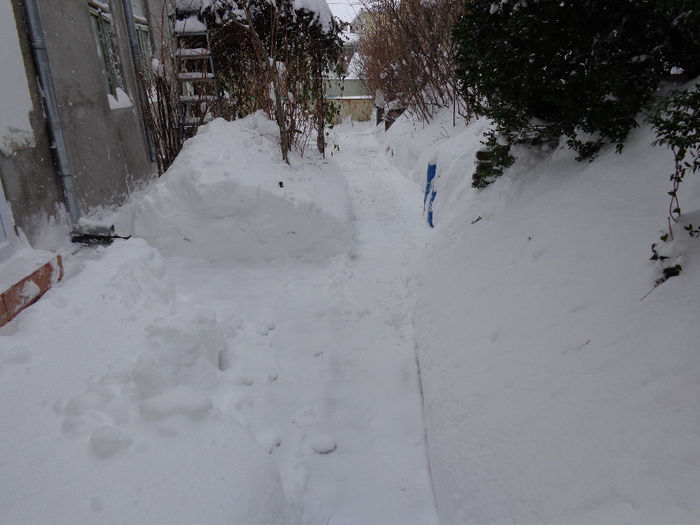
point(379, 475)
point(324, 369)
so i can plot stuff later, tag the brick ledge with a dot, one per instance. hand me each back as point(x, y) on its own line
point(26, 291)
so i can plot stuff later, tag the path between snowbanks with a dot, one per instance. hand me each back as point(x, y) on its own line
point(323, 368)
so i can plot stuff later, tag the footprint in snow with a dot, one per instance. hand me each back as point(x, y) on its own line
point(264, 328)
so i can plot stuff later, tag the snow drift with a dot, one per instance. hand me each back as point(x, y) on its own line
point(229, 196)
point(552, 393)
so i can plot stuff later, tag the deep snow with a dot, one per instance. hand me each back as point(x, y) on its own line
point(553, 394)
point(251, 355)
point(255, 338)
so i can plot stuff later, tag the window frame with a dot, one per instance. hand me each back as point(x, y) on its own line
point(107, 46)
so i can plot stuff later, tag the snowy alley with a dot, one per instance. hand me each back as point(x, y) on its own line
point(251, 355)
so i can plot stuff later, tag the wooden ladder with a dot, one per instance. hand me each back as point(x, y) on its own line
point(199, 93)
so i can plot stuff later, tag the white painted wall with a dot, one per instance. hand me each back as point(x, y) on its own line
point(15, 101)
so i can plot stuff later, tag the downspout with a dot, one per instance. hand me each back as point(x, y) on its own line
point(37, 42)
point(138, 66)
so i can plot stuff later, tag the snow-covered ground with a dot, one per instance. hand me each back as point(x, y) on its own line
point(250, 356)
point(253, 339)
point(554, 394)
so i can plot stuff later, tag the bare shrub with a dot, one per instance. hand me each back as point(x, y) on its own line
point(408, 53)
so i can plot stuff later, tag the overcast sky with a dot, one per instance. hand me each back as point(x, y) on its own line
point(345, 9)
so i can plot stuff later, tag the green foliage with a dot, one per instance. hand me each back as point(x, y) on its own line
point(492, 160)
point(579, 68)
point(676, 119)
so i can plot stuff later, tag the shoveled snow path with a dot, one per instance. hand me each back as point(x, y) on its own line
point(379, 474)
point(324, 370)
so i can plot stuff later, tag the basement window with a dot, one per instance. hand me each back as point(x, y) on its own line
point(102, 26)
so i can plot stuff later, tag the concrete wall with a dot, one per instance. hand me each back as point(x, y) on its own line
point(107, 147)
point(360, 109)
point(348, 87)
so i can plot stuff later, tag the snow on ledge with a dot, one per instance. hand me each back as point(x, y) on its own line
point(121, 101)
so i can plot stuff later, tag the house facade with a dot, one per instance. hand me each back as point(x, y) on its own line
point(91, 62)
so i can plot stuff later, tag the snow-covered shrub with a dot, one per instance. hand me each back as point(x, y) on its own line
point(272, 56)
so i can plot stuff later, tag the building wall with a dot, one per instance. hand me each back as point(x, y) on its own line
point(107, 147)
point(359, 109)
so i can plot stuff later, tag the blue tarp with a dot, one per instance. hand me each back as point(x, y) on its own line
point(430, 192)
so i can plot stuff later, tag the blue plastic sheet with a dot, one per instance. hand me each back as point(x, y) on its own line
point(430, 192)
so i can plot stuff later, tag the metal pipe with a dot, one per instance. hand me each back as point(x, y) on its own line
point(37, 41)
point(138, 66)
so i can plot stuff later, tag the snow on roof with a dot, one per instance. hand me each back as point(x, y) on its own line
point(192, 5)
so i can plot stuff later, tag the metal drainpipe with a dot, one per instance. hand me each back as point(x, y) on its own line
point(138, 65)
point(37, 41)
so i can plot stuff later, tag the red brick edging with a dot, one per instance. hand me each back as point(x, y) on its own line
point(28, 291)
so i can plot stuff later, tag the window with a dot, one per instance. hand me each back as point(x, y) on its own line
point(144, 42)
point(106, 45)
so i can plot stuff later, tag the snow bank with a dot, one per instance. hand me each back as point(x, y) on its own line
point(552, 393)
point(229, 196)
point(109, 384)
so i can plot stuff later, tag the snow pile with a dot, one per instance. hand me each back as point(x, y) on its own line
point(229, 196)
point(320, 7)
point(552, 393)
point(141, 440)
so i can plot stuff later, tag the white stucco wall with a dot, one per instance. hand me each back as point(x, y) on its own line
point(15, 101)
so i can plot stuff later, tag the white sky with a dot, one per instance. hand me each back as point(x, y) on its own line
point(345, 9)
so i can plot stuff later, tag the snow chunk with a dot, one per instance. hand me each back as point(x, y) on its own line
point(190, 25)
point(323, 443)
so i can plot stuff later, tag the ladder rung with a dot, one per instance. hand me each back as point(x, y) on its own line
point(197, 52)
point(187, 33)
point(194, 99)
point(195, 76)
point(196, 121)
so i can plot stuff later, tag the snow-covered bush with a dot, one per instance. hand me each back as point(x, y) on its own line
point(272, 56)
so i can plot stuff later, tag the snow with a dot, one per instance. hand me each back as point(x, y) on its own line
point(190, 25)
point(120, 101)
point(244, 359)
point(23, 262)
point(553, 394)
point(15, 103)
point(355, 67)
point(320, 7)
point(218, 204)
point(312, 352)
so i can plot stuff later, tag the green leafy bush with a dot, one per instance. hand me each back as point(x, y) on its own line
point(579, 68)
